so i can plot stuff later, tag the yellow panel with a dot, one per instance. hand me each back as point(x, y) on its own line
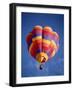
point(36, 38)
point(46, 41)
point(53, 43)
point(53, 53)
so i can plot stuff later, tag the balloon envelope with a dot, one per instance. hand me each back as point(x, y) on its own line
point(43, 43)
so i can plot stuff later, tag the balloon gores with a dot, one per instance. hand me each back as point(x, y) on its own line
point(43, 43)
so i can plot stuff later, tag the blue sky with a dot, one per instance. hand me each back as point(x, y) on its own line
point(29, 66)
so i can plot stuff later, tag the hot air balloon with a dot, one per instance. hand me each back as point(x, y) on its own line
point(43, 43)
